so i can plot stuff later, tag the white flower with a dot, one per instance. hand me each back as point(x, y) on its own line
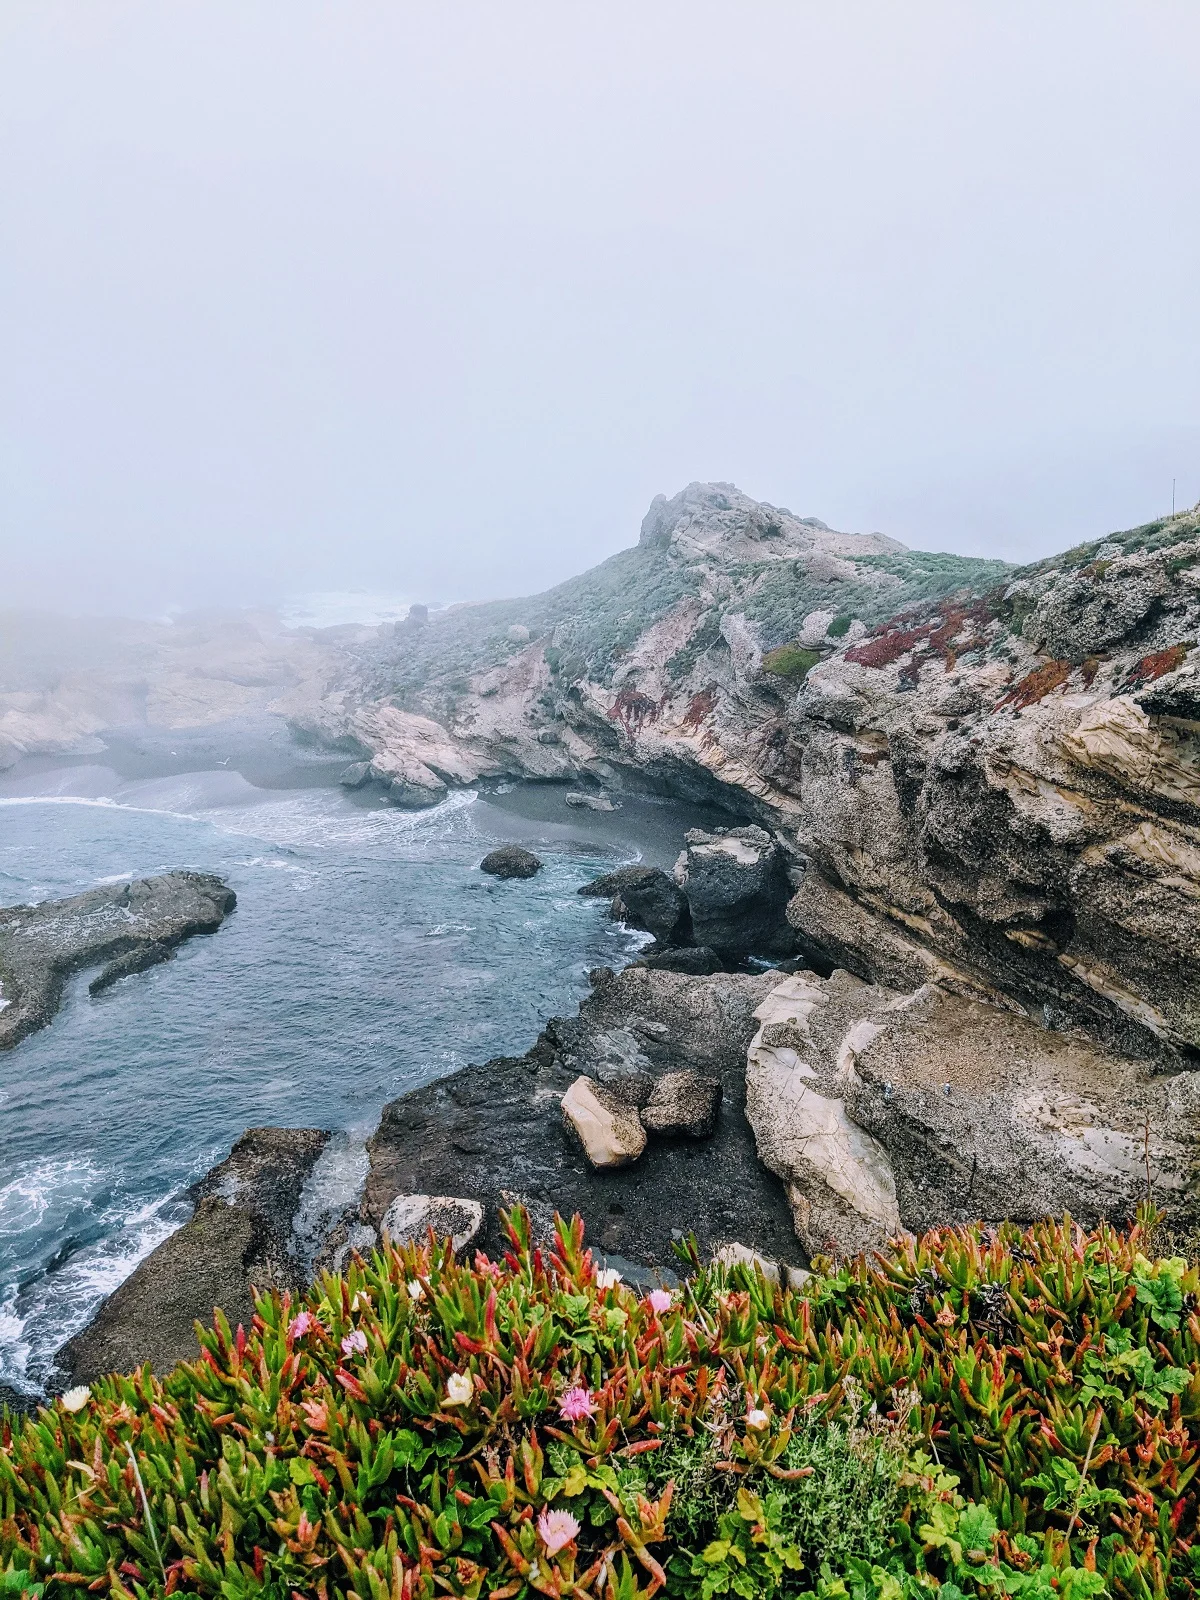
point(758, 1420)
point(75, 1399)
point(460, 1386)
point(416, 1290)
point(608, 1278)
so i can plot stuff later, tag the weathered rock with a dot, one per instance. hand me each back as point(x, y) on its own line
point(839, 1179)
point(588, 802)
point(130, 925)
point(649, 900)
point(497, 1129)
point(683, 1103)
point(735, 1254)
point(698, 961)
point(610, 1132)
point(239, 1239)
point(16, 1403)
point(410, 1216)
point(511, 861)
point(737, 890)
point(356, 775)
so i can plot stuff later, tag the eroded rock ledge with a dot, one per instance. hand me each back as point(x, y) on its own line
point(130, 926)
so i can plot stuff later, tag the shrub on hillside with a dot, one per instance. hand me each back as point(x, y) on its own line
point(983, 1412)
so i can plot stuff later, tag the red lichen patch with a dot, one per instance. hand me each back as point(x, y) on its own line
point(631, 709)
point(1036, 686)
point(701, 706)
point(888, 641)
point(1156, 666)
point(887, 649)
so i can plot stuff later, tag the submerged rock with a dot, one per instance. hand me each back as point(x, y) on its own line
point(129, 925)
point(511, 861)
point(239, 1239)
point(589, 802)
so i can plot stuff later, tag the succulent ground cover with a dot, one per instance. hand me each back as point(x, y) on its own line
point(978, 1413)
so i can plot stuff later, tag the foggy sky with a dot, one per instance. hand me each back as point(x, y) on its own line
point(436, 297)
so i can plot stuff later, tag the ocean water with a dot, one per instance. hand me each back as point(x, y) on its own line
point(367, 955)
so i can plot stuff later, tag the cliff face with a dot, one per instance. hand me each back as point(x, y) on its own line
point(987, 777)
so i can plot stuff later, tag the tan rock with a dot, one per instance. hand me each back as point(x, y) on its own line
point(610, 1132)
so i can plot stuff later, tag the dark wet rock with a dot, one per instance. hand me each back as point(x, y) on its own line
point(511, 861)
point(656, 904)
point(683, 1104)
point(239, 1239)
point(18, 1404)
point(139, 960)
point(356, 775)
point(737, 887)
point(610, 885)
point(497, 1130)
point(589, 802)
point(129, 925)
point(696, 961)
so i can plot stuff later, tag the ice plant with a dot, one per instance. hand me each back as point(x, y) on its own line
point(460, 1386)
point(758, 1420)
point(416, 1290)
point(659, 1299)
point(75, 1399)
point(355, 1343)
point(556, 1528)
point(576, 1404)
point(304, 1322)
point(607, 1278)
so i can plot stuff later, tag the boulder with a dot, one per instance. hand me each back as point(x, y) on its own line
point(356, 775)
point(548, 736)
point(410, 1216)
point(737, 888)
point(588, 802)
point(698, 961)
point(239, 1239)
point(609, 1130)
point(511, 861)
point(736, 1254)
point(649, 900)
point(683, 1103)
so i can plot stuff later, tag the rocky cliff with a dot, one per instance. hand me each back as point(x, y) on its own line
point(984, 776)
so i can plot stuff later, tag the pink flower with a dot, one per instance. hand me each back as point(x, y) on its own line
point(659, 1299)
point(354, 1343)
point(301, 1324)
point(557, 1528)
point(576, 1404)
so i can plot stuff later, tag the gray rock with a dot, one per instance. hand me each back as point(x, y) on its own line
point(737, 887)
point(356, 775)
point(511, 861)
point(698, 961)
point(410, 1216)
point(683, 1103)
point(16, 1403)
point(548, 736)
point(589, 802)
point(130, 925)
point(239, 1239)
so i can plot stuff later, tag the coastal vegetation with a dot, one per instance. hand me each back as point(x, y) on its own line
point(981, 1412)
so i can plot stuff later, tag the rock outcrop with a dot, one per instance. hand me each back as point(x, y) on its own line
point(511, 861)
point(881, 1110)
point(737, 892)
point(239, 1239)
point(129, 926)
point(495, 1133)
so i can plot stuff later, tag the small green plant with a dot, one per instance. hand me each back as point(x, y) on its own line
point(791, 661)
point(840, 626)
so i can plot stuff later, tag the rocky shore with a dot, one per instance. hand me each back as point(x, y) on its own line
point(946, 974)
point(128, 927)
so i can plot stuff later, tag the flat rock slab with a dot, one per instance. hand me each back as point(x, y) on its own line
point(410, 1216)
point(610, 1132)
point(239, 1239)
point(130, 926)
point(511, 861)
point(683, 1104)
point(495, 1132)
